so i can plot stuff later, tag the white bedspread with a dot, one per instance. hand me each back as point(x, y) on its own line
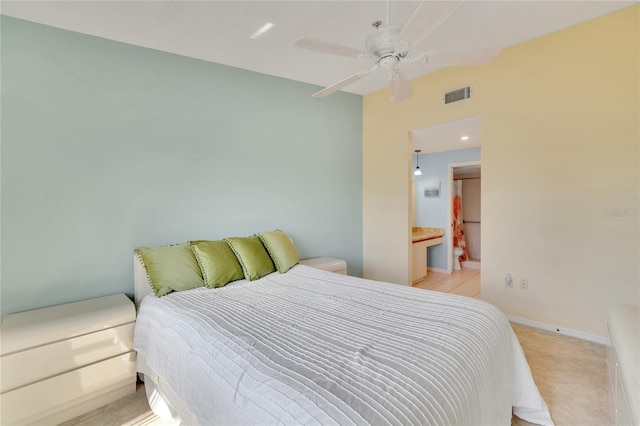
point(312, 347)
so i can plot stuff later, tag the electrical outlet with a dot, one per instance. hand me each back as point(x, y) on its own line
point(524, 284)
point(508, 281)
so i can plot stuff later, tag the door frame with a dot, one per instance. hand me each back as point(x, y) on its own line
point(449, 228)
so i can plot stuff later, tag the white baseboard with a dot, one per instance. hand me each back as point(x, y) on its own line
point(471, 264)
point(444, 271)
point(564, 331)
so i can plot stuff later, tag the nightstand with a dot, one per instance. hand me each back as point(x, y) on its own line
point(330, 264)
point(60, 362)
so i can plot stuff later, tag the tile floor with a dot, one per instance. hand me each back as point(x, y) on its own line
point(465, 282)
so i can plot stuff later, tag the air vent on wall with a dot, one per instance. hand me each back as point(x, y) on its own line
point(457, 95)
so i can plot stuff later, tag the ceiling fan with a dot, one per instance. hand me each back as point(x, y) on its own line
point(389, 45)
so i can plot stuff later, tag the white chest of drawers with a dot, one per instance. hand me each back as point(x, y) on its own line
point(62, 361)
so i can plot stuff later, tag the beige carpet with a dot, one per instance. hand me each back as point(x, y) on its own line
point(132, 410)
point(571, 375)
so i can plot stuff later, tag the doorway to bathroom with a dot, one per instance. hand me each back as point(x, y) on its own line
point(464, 215)
point(436, 151)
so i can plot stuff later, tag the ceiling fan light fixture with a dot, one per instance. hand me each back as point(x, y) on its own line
point(399, 86)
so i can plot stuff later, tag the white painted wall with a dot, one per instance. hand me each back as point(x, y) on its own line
point(560, 171)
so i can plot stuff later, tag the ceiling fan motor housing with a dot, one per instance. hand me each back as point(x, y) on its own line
point(384, 47)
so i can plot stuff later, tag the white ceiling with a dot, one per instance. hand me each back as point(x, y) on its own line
point(446, 136)
point(220, 31)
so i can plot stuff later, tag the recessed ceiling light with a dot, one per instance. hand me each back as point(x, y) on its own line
point(464, 138)
point(263, 29)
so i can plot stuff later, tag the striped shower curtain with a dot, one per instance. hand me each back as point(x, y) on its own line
point(458, 222)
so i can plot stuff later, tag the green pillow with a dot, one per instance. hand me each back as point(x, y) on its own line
point(280, 249)
point(171, 268)
point(253, 257)
point(218, 263)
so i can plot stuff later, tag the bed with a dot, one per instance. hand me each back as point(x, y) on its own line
point(315, 347)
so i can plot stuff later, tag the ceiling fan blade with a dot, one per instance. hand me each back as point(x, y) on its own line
point(473, 56)
point(427, 17)
point(399, 86)
point(344, 83)
point(328, 47)
point(419, 59)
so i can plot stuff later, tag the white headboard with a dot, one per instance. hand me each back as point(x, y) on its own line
point(141, 284)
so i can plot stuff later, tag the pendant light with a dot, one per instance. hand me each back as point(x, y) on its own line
point(417, 171)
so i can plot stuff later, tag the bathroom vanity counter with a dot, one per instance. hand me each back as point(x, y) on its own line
point(421, 233)
point(423, 237)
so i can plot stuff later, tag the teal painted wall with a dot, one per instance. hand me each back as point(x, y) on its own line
point(107, 146)
point(432, 212)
